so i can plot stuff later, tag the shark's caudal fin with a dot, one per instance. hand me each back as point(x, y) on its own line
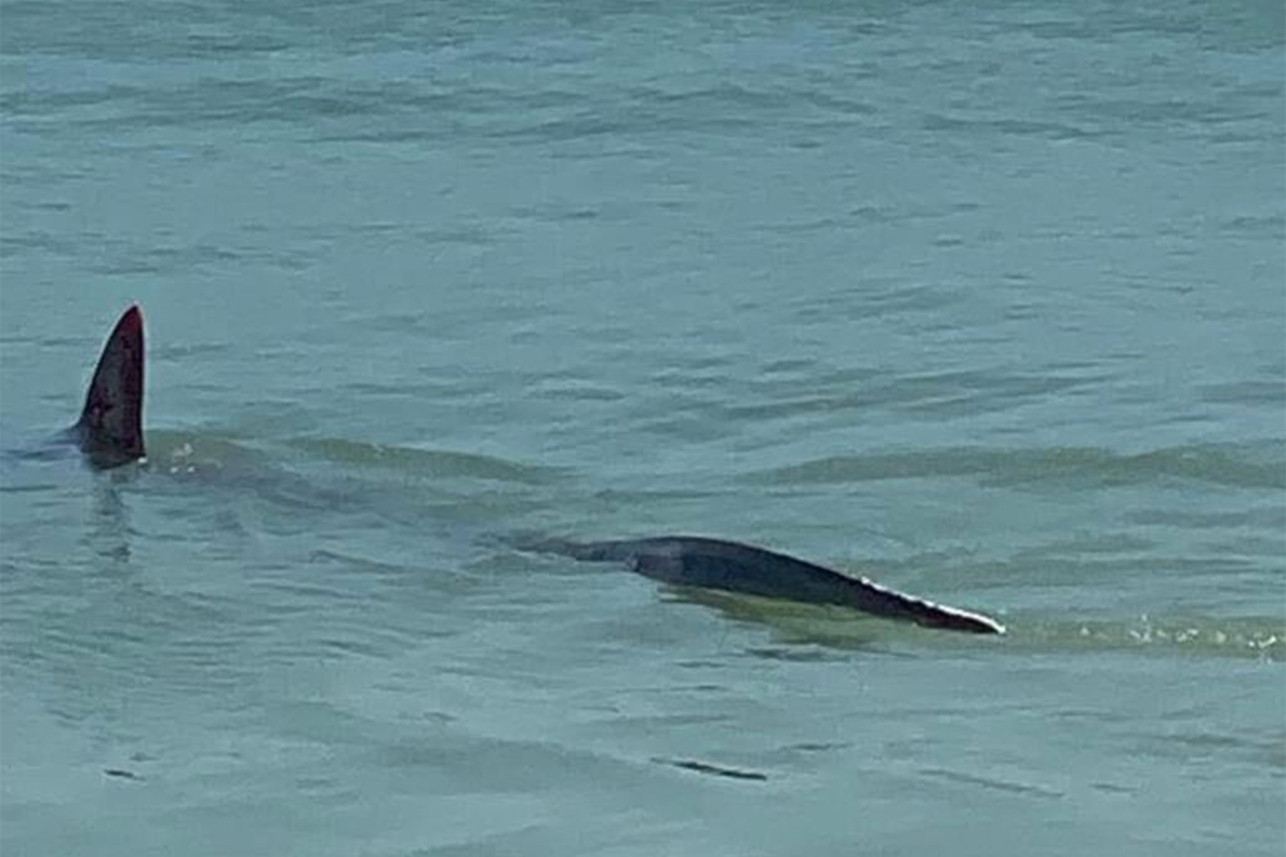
point(110, 430)
point(736, 567)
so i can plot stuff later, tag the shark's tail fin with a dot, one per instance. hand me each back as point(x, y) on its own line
point(110, 430)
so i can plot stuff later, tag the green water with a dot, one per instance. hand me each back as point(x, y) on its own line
point(985, 302)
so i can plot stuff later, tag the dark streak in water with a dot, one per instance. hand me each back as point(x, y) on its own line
point(716, 770)
point(122, 774)
point(991, 783)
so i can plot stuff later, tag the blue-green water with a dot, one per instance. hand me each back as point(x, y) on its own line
point(985, 301)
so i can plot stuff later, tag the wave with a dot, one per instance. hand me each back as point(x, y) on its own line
point(1249, 465)
point(833, 630)
point(1255, 637)
point(422, 462)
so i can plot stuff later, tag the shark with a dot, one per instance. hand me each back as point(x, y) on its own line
point(110, 434)
point(110, 429)
point(729, 566)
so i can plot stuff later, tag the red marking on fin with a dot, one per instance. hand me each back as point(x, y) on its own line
point(111, 425)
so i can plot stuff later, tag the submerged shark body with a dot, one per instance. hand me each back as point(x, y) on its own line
point(110, 429)
point(735, 567)
point(110, 433)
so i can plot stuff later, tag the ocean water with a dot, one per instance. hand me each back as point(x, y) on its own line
point(986, 301)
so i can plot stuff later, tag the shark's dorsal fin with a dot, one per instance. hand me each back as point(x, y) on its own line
point(110, 430)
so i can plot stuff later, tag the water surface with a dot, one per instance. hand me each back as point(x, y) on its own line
point(984, 301)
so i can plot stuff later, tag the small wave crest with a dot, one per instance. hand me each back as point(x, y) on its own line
point(1256, 638)
point(422, 462)
point(1251, 465)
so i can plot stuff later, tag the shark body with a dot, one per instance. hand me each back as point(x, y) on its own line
point(110, 434)
point(735, 567)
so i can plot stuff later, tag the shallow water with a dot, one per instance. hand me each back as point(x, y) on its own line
point(982, 301)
